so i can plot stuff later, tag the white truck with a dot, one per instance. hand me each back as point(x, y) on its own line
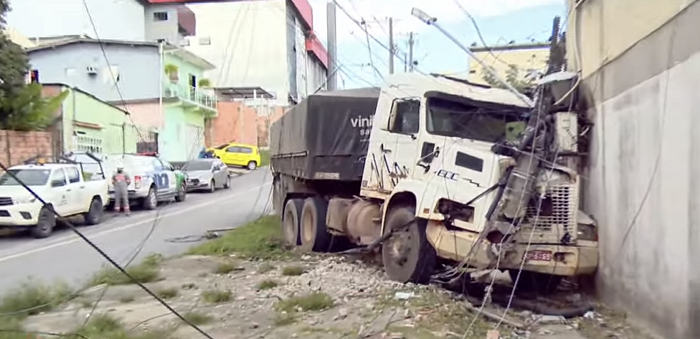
point(431, 169)
point(62, 186)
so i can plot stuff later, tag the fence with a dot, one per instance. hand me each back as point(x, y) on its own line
point(15, 147)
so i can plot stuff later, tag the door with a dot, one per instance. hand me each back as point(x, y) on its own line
point(194, 141)
point(246, 155)
point(405, 126)
point(232, 156)
point(163, 178)
point(174, 182)
point(77, 192)
point(220, 173)
point(60, 192)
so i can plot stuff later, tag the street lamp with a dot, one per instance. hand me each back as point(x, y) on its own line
point(432, 21)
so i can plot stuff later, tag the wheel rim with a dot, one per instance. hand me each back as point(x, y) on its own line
point(45, 221)
point(289, 228)
point(211, 186)
point(152, 199)
point(400, 247)
point(251, 166)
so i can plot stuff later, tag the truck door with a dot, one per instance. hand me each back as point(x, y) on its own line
point(59, 192)
point(404, 125)
point(77, 193)
point(162, 178)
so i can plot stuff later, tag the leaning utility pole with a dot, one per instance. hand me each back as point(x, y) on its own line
point(392, 51)
point(411, 42)
point(332, 47)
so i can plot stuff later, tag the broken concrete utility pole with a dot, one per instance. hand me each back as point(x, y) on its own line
point(392, 50)
point(332, 47)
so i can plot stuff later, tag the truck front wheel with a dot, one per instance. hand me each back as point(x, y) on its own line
point(314, 234)
point(407, 255)
point(290, 221)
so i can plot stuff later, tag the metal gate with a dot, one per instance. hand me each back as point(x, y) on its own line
point(194, 141)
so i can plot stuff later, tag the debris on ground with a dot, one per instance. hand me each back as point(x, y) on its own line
point(264, 291)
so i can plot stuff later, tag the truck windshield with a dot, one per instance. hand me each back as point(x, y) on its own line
point(197, 166)
point(455, 119)
point(30, 177)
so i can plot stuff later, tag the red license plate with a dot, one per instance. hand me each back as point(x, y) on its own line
point(539, 255)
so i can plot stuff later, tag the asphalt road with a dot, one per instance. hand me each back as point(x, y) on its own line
point(65, 257)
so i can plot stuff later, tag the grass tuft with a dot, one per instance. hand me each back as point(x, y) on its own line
point(216, 296)
point(261, 239)
point(225, 268)
point(316, 301)
point(107, 327)
point(197, 318)
point(126, 299)
point(267, 285)
point(265, 267)
point(283, 319)
point(33, 298)
point(147, 271)
point(293, 270)
point(167, 293)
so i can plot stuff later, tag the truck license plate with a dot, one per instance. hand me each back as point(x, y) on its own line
point(539, 255)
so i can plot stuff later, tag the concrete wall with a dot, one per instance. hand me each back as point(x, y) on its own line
point(158, 29)
point(247, 43)
point(264, 123)
point(137, 66)
point(524, 59)
point(122, 19)
point(145, 114)
point(642, 181)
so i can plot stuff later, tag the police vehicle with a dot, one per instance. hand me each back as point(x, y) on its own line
point(153, 179)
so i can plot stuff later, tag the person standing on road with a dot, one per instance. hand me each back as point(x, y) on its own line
point(121, 182)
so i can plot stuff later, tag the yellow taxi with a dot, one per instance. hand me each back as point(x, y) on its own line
point(235, 154)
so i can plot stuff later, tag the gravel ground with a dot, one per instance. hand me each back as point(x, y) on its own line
point(331, 298)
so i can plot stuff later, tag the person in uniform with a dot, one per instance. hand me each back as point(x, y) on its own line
point(121, 182)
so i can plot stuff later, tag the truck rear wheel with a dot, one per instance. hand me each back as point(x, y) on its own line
point(290, 221)
point(535, 282)
point(313, 230)
point(407, 255)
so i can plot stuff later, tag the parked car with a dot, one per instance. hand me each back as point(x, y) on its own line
point(206, 174)
point(153, 179)
point(234, 154)
point(66, 190)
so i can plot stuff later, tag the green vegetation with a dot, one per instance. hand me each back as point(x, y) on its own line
point(197, 318)
point(512, 77)
point(147, 271)
point(260, 239)
point(33, 298)
point(265, 267)
point(293, 270)
point(316, 301)
point(283, 319)
point(264, 157)
point(216, 296)
point(225, 268)
point(107, 327)
point(167, 293)
point(267, 284)
point(204, 83)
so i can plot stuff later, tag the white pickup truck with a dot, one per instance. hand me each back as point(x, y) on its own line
point(61, 186)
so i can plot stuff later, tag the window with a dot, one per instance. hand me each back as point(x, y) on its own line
point(73, 175)
point(160, 16)
point(167, 166)
point(406, 116)
point(233, 149)
point(184, 43)
point(457, 119)
point(245, 150)
point(205, 41)
point(30, 177)
point(34, 76)
point(157, 165)
point(56, 177)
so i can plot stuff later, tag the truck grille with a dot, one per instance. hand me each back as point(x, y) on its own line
point(558, 209)
point(5, 201)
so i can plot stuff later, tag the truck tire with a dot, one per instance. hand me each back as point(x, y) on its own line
point(47, 222)
point(535, 282)
point(150, 202)
point(94, 213)
point(407, 255)
point(313, 230)
point(290, 221)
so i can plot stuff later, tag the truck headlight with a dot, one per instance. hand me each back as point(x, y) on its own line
point(587, 232)
point(23, 200)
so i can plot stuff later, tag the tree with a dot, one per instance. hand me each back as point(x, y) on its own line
point(513, 78)
point(22, 106)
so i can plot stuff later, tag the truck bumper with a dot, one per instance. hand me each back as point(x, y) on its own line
point(21, 215)
point(550, 258)
point(196, 184)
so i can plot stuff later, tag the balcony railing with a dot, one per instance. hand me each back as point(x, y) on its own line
point(190, 94)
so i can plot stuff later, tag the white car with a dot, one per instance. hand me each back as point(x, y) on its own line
point(61, 186)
